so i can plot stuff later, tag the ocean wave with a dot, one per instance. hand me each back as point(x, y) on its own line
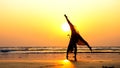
point(36, 50)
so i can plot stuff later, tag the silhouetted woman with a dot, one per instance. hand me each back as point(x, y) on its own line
point(74, 40)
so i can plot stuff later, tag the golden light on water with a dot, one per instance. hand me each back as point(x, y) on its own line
point(67, 64)
point(66, 61)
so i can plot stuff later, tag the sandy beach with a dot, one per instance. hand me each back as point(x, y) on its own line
point(84, 60)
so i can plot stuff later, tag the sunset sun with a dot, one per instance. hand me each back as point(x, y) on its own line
point(65, 27)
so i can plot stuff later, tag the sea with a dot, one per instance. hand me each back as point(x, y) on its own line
point(45, 50)
point(55, 53)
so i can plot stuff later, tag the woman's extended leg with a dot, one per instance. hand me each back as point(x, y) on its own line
point(75, 52)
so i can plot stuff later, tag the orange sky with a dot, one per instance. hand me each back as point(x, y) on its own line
point(39, 22)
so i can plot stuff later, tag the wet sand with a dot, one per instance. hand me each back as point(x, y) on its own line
point(84, 60)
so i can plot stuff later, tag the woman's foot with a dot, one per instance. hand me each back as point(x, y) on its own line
point(66, 57)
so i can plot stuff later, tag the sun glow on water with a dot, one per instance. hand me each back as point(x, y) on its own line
point(66, 61)
point(67, 64)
